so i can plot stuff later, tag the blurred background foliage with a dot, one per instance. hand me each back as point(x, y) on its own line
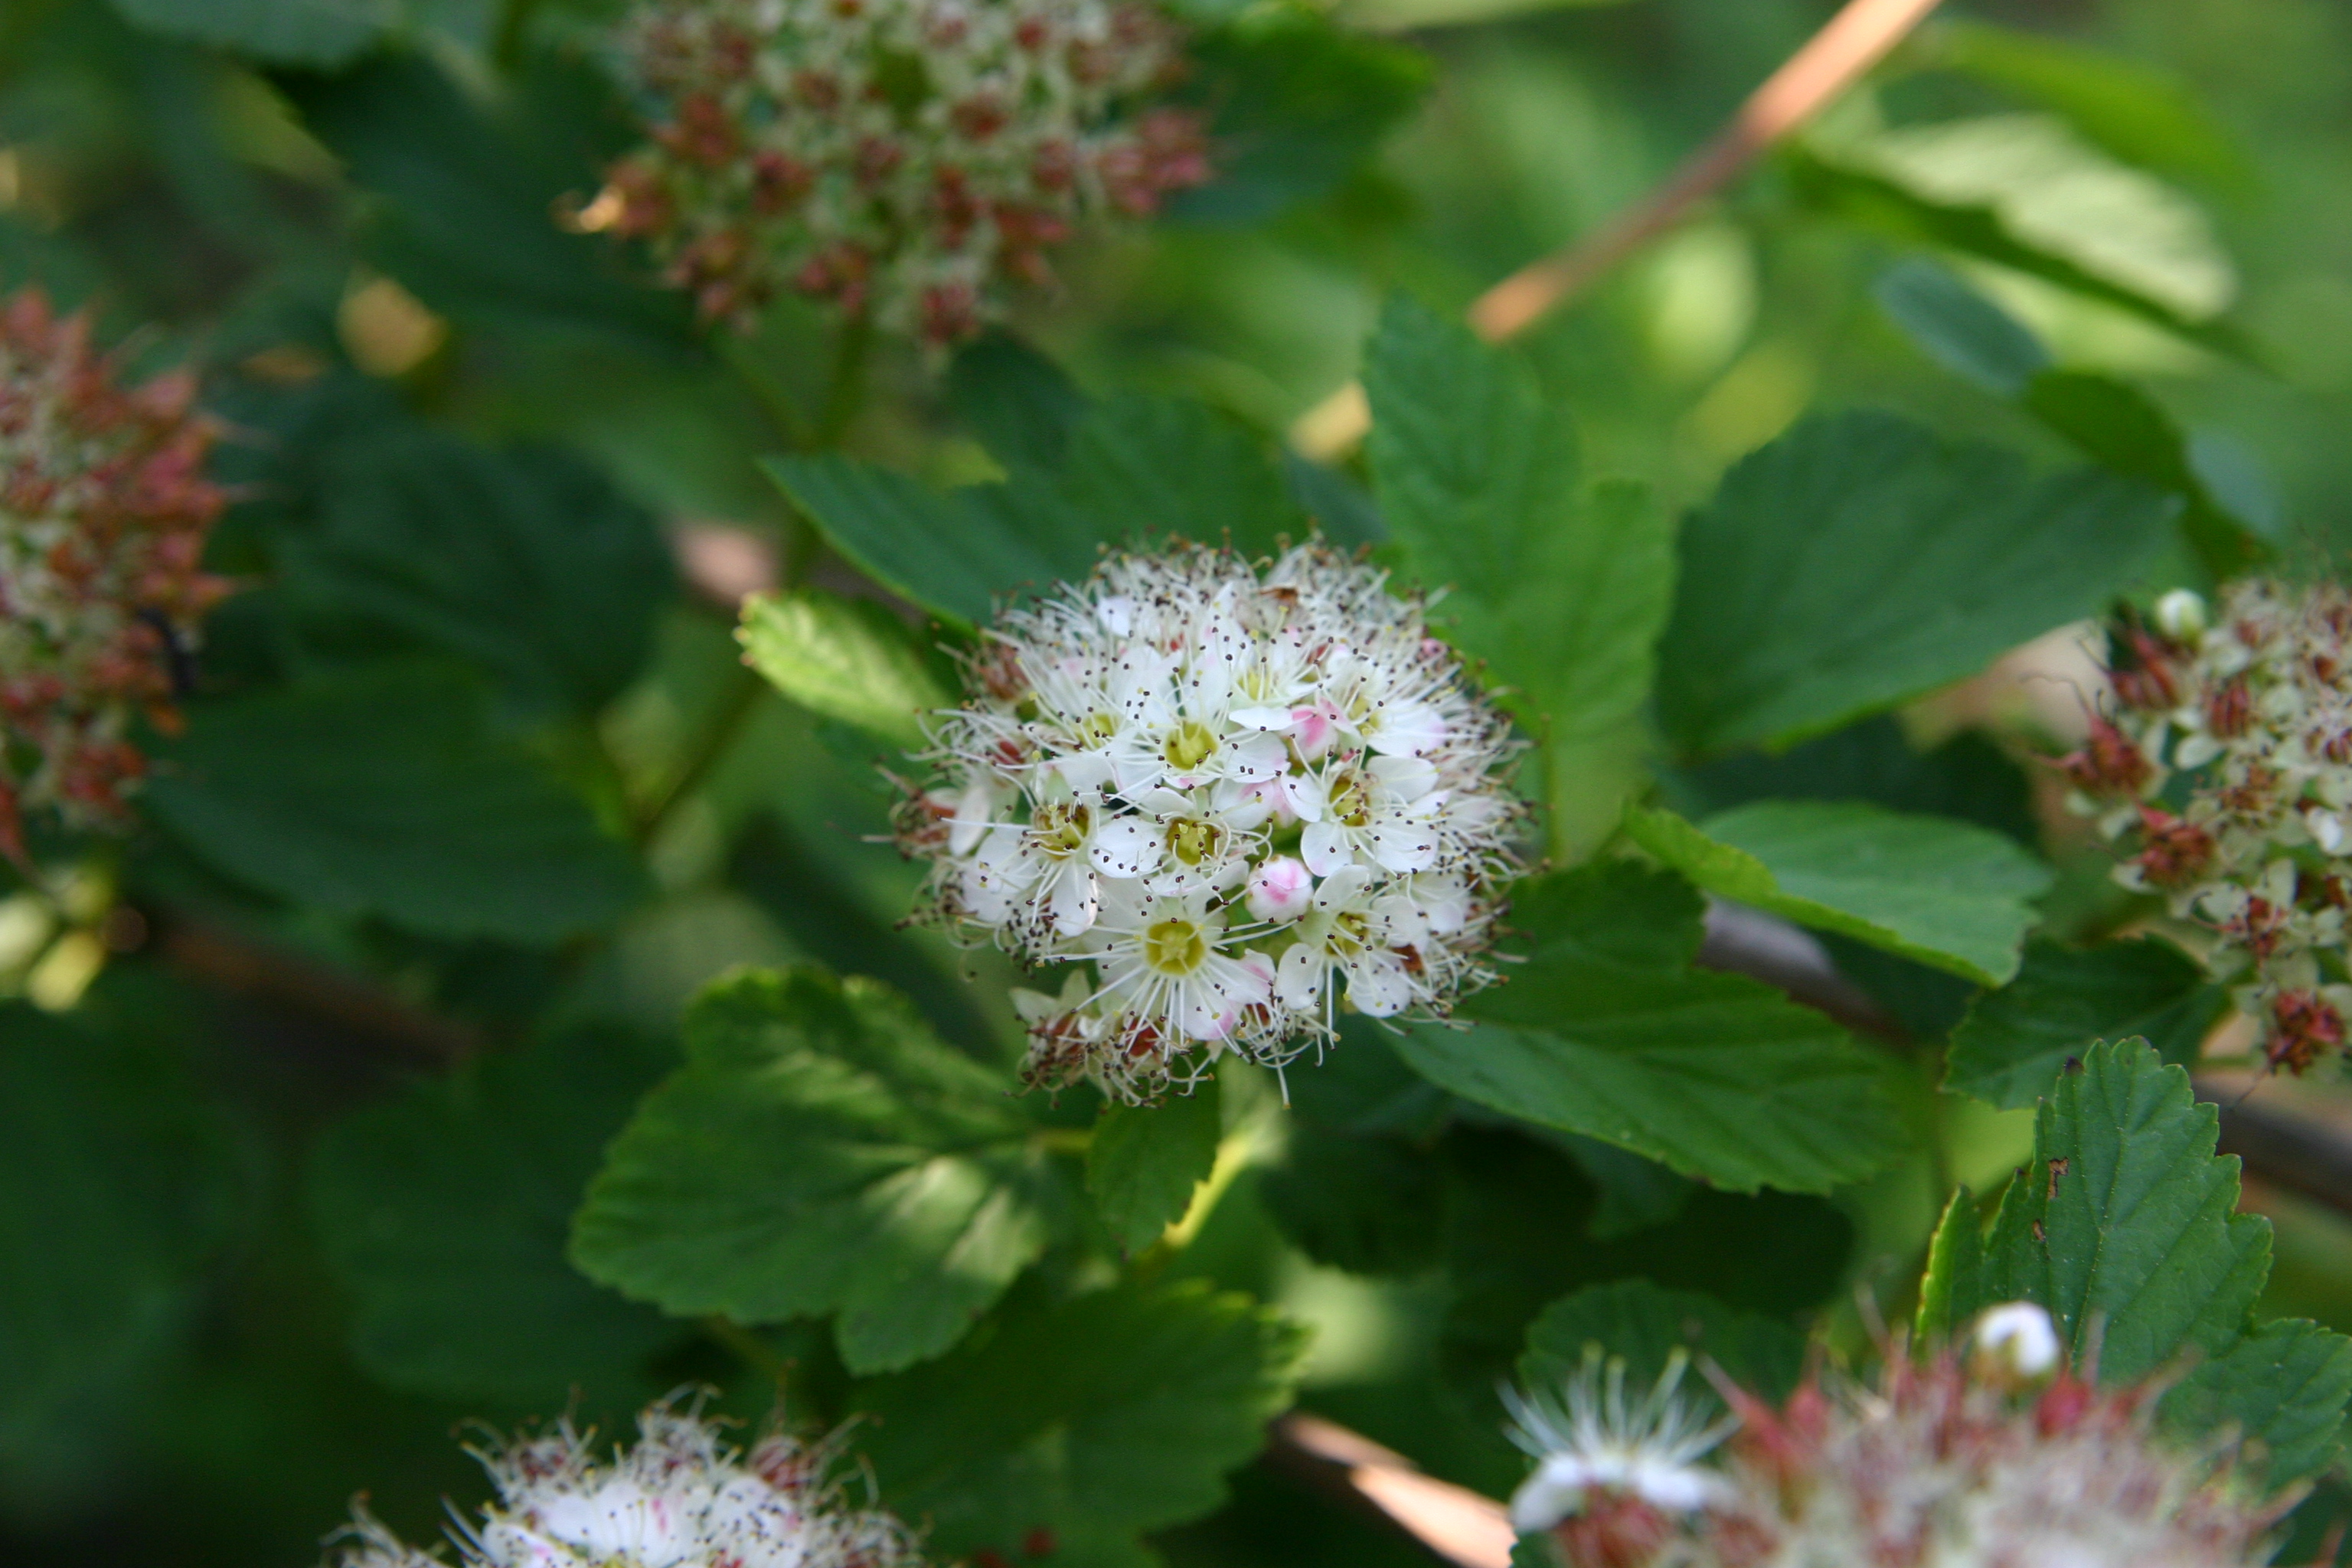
point(443, 404)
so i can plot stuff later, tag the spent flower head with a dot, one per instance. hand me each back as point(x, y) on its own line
point(2225, 776)
point(103, 516)
point(1980, 1455)
point(679, 1498)
point(906, 159)
point(1235, 797)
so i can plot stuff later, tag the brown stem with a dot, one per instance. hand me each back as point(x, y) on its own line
point(1454, 1523)
point(1832, 60)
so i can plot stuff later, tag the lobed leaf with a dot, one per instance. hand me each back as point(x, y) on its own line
point(1947, 893)
point(821, 1152)
point(1091, 1419)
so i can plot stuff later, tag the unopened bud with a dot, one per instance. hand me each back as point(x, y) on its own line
point(2016, 1344)
point(1281, 889)
point(2180, 615)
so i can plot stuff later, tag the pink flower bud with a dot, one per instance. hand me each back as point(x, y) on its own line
point(1281, 890)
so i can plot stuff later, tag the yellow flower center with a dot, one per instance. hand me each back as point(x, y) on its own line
point(1351, 801)
point(1194, 841)
point(1175, 947)
point(1189, 745)
point(1060, 829)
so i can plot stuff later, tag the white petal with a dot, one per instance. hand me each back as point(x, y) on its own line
point(1408, 730)
point(1324, 848)
point(1259, 757)
point(1268, 720)
point(1378, 986)
point(1404, 846)
point(1074, 900)
point(1298, 979)
point(1340, 888)
point(1126, 846)
point(1406, 778)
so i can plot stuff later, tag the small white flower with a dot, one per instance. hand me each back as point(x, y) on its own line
point(1589, 1439)
point(1154, 768)
point(2180, 615)
point(679, 1498)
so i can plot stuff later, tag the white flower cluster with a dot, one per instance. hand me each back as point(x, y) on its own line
point(1234, 794)
point(679, 1498)
point(2227, 772)
point(902, 157)
point(2000, 1458)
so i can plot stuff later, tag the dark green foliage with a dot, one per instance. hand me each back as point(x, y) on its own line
point(1967, 777)
point(445, 1210)
point(2016, 1041)
point(120, 1183)
point(384, 792)
point(1366, 1204)
point(528, 563)
point(1643, 1325)
point(1297, 103)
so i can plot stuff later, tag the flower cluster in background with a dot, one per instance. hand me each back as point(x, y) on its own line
point(1996, 1457)
point(904, 159)
point(1229, 795)
point(2226, 776)
point(103, 516)
point(679, 1498)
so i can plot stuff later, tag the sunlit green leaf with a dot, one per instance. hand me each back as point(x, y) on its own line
point(846, 658)
point(1144, 1162)
point(821, 1152)
point(1947, 893)
point(282, 32)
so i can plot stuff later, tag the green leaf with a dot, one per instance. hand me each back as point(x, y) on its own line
point(821, 1152)
point(1633, 1194)
point(118, 1183)
point(1967, 777)
point(848, 659)
point(1563, 591)
point(1019, 402)
point(324, 33)
point(1145, 1160)
point(1366, 1204)
point(1858, 562)
point(2125, 1220)
point(2138, 112)
point(2126, 429)
point(443, 1212)
point(526, 562)
point(1946, 893)
point(2284, 1386)
point(1961, 330)
point(1094, 1418)
point(2015, 1041)
point(1642, 1324)
point(382, 792)
point(1516, 1206)
point(465, 190)
point(947, 552)
point(2021, 190)
point(1952, 1291)
point(1606, 1030)
point(2125, 1227)
point(1295, 105)
point(1133, 468)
